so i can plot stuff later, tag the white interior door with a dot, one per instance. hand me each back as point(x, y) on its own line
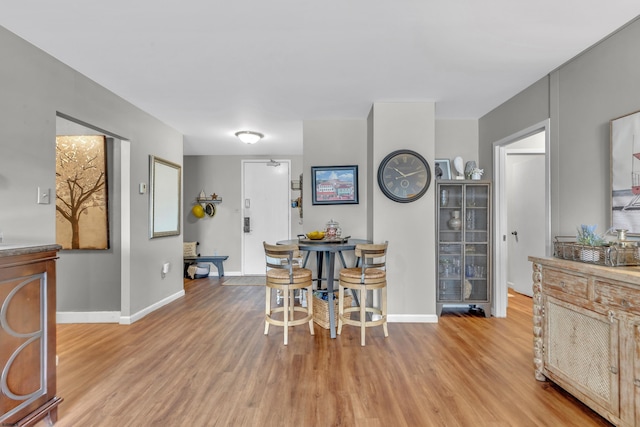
point(525, 217)
point(266, 210)
point(532, 139)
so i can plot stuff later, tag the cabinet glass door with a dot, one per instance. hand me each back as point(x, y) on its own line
point(450, 247)
point(463, 220)
point(476, 230)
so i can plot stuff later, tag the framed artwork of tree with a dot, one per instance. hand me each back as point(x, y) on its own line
point(82, 220)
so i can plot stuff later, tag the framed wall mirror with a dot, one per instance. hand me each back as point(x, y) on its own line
point(164, 201)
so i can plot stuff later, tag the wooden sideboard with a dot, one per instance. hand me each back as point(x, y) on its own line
point(28, 334)
point(586, 334)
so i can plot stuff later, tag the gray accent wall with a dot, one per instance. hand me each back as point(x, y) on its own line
point(35, 87)
point(336, 143)
point(222, 233)
point(580, 98)
point(409, 228)
point(100, 288)
point(458, 138)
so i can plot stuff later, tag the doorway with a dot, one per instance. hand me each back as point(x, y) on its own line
point(525, 209)
point(266, 209)
point(511, 250)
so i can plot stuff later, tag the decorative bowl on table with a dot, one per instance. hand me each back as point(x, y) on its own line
point(316, 235)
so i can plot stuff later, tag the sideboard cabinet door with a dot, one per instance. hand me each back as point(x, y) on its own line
point(28, 337)
point(582, 352)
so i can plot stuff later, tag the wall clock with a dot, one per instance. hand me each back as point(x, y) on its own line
point(404, 176)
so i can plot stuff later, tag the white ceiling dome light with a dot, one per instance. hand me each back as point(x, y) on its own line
point(249, 137)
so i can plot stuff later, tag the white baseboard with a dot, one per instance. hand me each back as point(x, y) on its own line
point(412, 318)
point(112, 316)
point(127, 320)
point(87, 317)
point(226, 273)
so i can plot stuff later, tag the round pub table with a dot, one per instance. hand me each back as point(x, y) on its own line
point(326, 250)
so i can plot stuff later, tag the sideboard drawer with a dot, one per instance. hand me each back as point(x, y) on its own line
point(565, 282)
point(616, 296)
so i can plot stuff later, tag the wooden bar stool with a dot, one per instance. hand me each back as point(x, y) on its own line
point(285, 274)
point(371, 275)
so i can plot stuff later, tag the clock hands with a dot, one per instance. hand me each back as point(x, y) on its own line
point(403, 175)
point(406, 175)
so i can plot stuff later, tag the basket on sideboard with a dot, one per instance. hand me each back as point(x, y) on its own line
point(612, 255)
point(321, 309)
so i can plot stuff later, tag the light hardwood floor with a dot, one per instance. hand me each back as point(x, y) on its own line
point(203, 361)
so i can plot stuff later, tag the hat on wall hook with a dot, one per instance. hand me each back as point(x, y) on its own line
point(198, 211)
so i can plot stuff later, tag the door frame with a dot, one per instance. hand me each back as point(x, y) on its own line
point(500, 149)
point(243, 197)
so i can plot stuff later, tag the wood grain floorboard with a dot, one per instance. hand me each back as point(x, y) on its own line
point(203, 361)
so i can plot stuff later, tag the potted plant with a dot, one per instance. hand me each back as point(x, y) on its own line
point(476, 173)
point(587, 237)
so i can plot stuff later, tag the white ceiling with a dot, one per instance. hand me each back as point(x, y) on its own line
point(211, 68)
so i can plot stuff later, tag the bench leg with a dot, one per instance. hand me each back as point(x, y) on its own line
point(220, 267)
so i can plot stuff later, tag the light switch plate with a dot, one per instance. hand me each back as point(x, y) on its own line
point(43, 196)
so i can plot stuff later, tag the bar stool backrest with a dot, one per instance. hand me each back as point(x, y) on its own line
point(372, 255)
point(285, 257)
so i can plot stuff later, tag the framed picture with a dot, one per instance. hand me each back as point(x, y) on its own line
point(442, 169)
point(82, 198)
point(164, 197)
point(334, 185)
point(625, 173)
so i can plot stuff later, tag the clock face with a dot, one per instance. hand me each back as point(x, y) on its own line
point(404, 176)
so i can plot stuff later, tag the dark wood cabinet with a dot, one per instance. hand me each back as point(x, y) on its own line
point(28, 334)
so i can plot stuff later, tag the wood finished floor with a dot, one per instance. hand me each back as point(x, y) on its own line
point(203, 361)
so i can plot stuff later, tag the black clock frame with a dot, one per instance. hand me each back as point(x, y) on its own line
point(383, 187)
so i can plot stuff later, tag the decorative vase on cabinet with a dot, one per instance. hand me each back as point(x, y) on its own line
point(455, 222)
point(464, 247)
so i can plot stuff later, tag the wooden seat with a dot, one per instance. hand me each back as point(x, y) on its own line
point(285, 274)
point(371, 275)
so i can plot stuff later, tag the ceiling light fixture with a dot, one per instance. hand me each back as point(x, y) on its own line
point(249, 137)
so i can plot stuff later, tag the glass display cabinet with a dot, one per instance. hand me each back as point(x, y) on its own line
point(463, 232)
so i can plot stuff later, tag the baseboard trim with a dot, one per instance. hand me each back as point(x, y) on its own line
point(127, 320)
point(412, 318)
point(112, 316)
point(87, 317)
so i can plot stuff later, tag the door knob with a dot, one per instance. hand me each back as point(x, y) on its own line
point(515, 233)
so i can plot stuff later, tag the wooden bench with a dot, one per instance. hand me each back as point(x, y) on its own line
point(216, 260)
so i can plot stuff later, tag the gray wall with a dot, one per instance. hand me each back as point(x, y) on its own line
point(388, 127)
point(100, 288)
point(528, 108)
point(580, 98)
point(458, 138)
point(34, 87)
point(223, 232)
point(336, 143)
